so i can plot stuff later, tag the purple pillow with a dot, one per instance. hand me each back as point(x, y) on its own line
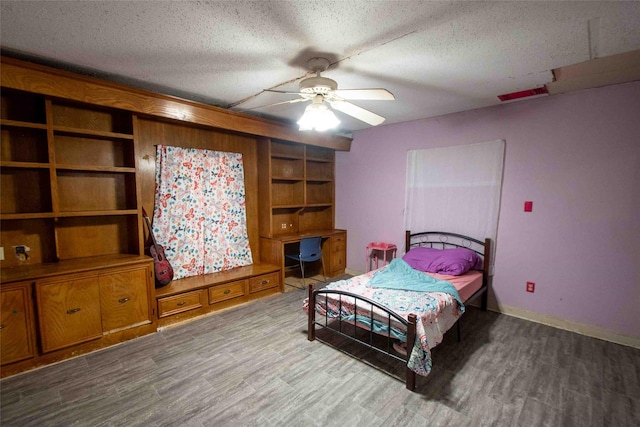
point(455, 261)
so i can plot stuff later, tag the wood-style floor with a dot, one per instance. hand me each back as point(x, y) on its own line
point(252, 365)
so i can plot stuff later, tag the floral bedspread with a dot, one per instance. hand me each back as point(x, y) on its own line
point(437, 312)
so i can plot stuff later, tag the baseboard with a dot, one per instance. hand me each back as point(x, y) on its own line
point(567, 325)
point(556, 322)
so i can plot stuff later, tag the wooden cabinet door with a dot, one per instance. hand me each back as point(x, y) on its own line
point(338, 258)
point(69, 312)
point(124, 299)
point(16, 324)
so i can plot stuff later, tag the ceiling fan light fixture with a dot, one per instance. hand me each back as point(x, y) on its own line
point(318, 116)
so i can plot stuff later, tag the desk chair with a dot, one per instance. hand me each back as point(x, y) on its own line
point(310, 251)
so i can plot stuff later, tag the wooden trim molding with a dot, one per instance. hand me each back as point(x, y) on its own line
point(27, 76)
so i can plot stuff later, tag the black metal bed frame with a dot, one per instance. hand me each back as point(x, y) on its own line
point(437, 239)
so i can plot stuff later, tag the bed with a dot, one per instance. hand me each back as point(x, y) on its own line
point(406, 301)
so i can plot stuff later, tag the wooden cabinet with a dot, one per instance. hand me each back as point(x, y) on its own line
point(69, 312)
point(124, 299)
point(198, 295)
point(296, 184)
point(76, 308)
point(337, 254)
point(17, 333)
point(68, 176)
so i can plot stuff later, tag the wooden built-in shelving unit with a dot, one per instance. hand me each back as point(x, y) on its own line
point(297, 188)
point(77, 159)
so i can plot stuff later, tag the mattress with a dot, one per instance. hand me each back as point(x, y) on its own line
point(466, 284)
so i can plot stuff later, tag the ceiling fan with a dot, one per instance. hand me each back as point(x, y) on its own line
point(320, 90)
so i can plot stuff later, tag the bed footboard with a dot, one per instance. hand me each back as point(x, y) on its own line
point(352, 331)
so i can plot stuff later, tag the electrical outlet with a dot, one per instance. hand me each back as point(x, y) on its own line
point(528, 206)
point(22, 252)
point(531, 287)
point(283, 226)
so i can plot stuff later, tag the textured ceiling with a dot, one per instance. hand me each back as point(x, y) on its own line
point(436, 57)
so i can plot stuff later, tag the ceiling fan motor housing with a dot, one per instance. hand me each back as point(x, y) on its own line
point(321, 85)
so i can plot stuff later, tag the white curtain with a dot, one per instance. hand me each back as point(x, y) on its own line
point(199, 215)
point(455, 189)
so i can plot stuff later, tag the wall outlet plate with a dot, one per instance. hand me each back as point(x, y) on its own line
point(531, 287)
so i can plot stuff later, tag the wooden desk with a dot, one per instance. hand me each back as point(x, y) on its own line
point(334, 250)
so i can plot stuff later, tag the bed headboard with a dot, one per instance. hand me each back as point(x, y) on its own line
point(444, 240)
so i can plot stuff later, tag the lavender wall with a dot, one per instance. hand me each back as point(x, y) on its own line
point(576, 156)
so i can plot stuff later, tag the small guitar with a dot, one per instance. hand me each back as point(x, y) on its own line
point(161, 266)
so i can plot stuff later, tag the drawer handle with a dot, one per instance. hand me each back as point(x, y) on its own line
point(264, 282)
point(1, 326)
point(73, 310)
point(228, 291)
point(181, 303)
point(123, 300)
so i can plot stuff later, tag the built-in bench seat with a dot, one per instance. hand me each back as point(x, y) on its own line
point(198, 295)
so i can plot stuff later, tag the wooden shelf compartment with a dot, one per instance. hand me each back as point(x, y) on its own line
point(95, 190)
point(287, 168)
point(286, 193)
point(91, 236)
point(80, 119)
point(37, 234)
point(18, 106)
point(94, 152)
point(319, 192)
point(285, 220)
point(20, 144)
point(316, 218)
point(25, 190)
point(317, 171)
point(319, 154)
point(286, 149)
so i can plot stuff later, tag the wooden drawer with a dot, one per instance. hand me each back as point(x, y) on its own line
point(179, 303)
point(266, 281)
point(226, 291)
point(339, 243)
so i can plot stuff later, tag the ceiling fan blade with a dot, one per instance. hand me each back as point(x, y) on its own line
point(371, 94)
point(291, 101)
point(358, 112)
point(281, 91)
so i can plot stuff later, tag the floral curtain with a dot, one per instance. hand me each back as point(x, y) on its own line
point(199, 216)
